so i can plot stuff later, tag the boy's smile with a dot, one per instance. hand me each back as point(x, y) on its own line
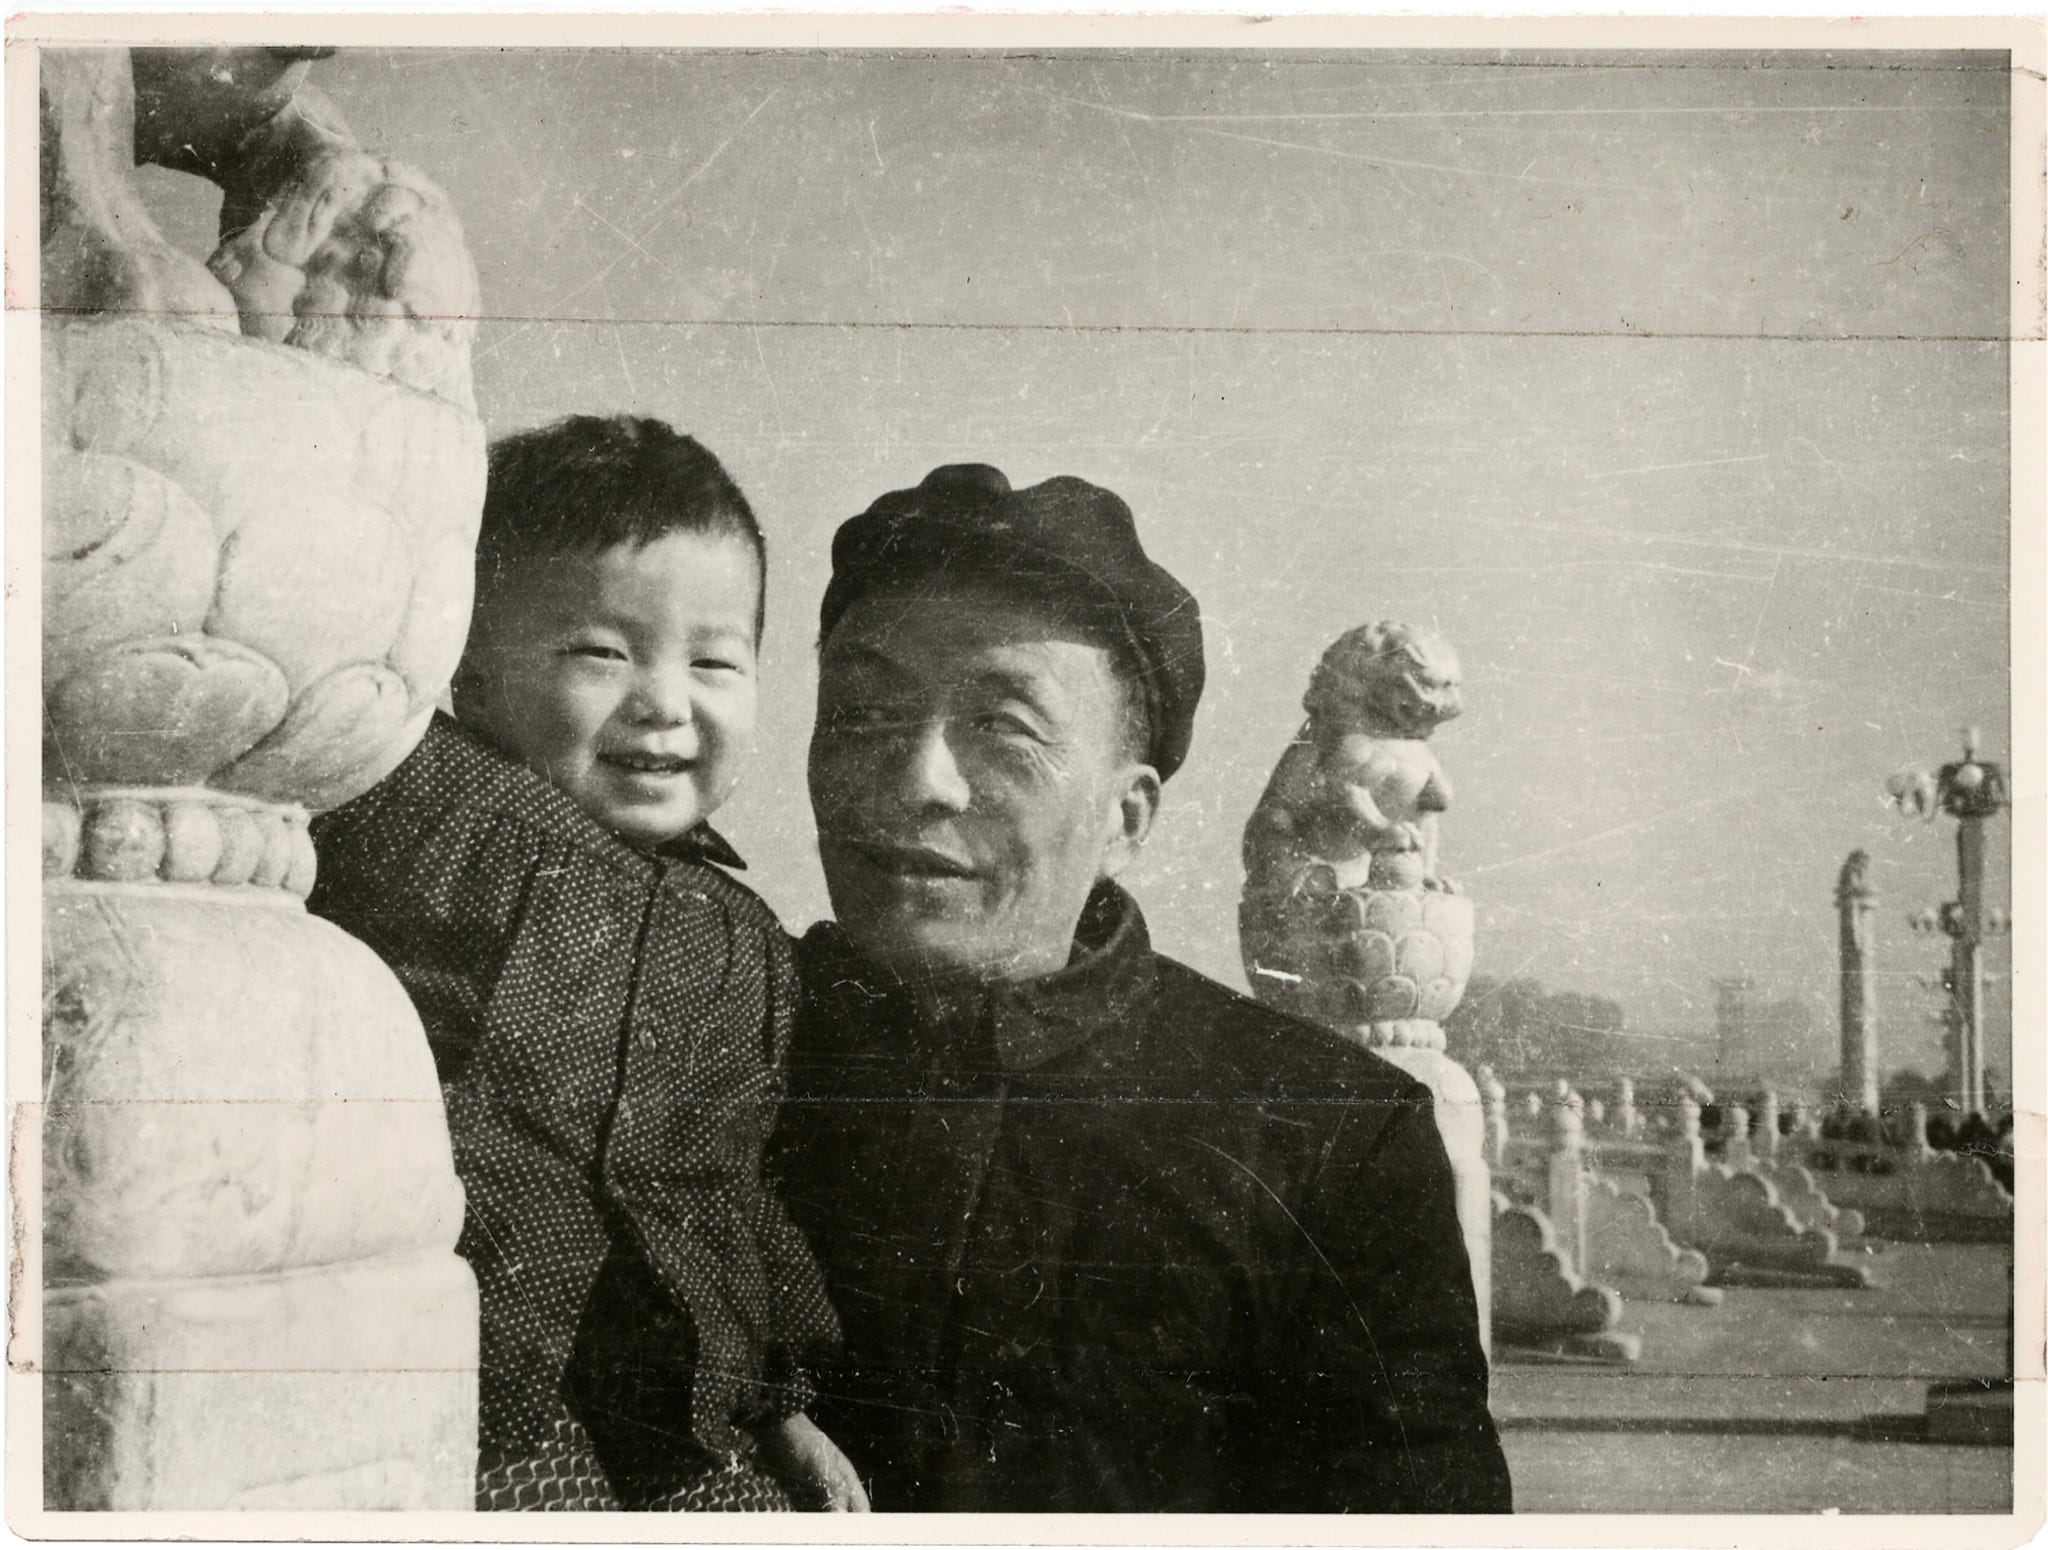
point(625, 677)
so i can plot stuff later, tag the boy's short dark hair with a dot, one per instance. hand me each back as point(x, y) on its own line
point(593, 482)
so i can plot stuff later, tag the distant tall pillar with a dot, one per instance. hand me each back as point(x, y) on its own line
point(1856, 899)
point(1971, 791)
point(1966, 964)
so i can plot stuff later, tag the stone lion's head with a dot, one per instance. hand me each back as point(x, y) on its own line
point(361, 259)
point(1387, 679)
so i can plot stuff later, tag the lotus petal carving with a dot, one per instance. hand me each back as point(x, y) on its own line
point(125, 553)
point(104, 384)
point(166, 711)
point(323, 585)
point(297, 534)
point(340, 737)
point(437, 623)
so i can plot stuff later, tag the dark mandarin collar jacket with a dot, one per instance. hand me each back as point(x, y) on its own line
point(1128, 1240)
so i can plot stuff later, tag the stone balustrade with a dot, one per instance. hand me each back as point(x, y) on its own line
point(1645, 1210)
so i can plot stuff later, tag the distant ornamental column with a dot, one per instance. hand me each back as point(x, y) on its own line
point(1972, 791)
point(257, 562)
point(1856, 901)
point(1626, 1119)
point(1565, 1196)
point(1345, 918)
point(1769, 1125)
point(1494, 1101)
point(1735, 1143)
point(1685, 1158)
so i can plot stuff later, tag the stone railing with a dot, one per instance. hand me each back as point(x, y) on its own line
point(1668, 1216)
point(1904, 1187)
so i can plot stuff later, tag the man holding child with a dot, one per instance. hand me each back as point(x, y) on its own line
point(1101, 1234)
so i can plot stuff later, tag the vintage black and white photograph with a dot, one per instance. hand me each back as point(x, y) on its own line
point(909, 768)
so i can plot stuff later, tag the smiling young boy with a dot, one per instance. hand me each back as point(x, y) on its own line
point(609, 1010)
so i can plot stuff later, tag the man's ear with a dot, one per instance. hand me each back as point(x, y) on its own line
point(1128, 823)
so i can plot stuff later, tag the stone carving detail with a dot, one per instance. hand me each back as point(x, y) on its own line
point(1769, 1158)
point(1629, 1249)
point(211, 618)
point(353, 257)
point(1541, 1301)
point(259, 509)
point(197, 836)
point(1735, 1217)
point(102, 252)
point(1346, 918)
point(323, 244)
point(1900, 1187)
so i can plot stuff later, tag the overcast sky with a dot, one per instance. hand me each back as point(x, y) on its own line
point(1669, 389)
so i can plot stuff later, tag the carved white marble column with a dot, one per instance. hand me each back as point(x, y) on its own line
point(1345, 918)
point(256, 580)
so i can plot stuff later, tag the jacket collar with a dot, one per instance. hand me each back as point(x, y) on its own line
point(1108, 977)
point(702, 843)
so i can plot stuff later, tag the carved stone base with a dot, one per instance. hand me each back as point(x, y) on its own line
point(1540, 1302)
point(249, 1205)
point(1922, 1196)
point(326, 1387)
point(1800, 1193)
point(1461, 1121)
point(1749, 1238)
point(1628, 1249)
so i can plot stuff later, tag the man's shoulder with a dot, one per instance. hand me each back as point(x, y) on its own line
point(823, 958)
point(1233, 1037)
point(810, 943)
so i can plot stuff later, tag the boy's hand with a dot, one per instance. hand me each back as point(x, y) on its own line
point(811, 1465)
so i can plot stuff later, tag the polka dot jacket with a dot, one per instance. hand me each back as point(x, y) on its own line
point(610, 1027)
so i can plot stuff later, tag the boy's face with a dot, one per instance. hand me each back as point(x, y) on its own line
point(624, 677)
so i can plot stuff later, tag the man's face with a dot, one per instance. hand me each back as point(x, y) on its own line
point(970, 781)
point(625, 677)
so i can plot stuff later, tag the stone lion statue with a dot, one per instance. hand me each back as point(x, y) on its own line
point(325, 246)
point(359, 259)
point(1359, 789)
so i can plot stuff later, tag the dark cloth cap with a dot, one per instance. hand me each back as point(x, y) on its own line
point(1067, 543)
